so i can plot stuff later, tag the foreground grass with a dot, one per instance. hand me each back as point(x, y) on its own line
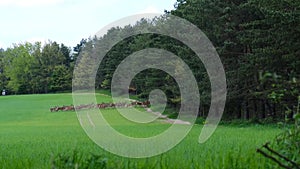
point(31, 137)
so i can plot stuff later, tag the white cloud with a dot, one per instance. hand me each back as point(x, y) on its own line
point(29, 3)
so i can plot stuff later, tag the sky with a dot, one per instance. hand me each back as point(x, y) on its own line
point(66, 21)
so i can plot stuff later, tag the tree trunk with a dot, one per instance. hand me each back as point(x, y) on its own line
point(263, 109)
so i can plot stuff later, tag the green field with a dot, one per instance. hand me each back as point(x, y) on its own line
point(33, 137)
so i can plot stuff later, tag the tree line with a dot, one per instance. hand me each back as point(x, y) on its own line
point(33, 68)
point(257, 41)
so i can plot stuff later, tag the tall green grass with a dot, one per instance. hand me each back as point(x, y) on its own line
point(33, 137)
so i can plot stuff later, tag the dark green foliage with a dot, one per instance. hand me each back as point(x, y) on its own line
point(61, 79)
point(257, 43)
point(253, 38)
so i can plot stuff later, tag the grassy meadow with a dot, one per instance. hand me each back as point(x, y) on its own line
point(33, 137)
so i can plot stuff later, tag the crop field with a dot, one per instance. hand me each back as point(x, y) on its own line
point(33, 137)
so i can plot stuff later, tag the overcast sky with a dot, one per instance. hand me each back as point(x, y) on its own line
point(66, 21)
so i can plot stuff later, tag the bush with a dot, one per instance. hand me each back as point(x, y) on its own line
point(285, 149)
point(76, 160)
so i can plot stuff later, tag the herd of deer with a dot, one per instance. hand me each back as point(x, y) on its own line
point(100, 106)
